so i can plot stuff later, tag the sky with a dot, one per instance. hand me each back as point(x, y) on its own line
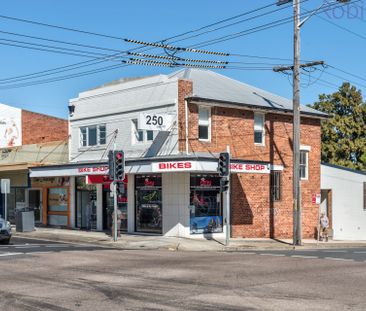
point(336, 36)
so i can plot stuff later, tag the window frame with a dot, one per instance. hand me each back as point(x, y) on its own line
point(306, 152)
point(273, 186)
point(263, 132)
point(98, 140)
point(135, 130)
point(204, 123)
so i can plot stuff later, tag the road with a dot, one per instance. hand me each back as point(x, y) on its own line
point(40, 275)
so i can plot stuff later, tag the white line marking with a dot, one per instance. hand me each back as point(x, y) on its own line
point(304, 256)
point(27, 246)
point(275, 255)
point(31, 253)
point(57, 246)
point(339, 259)
point(10, 254)
point(334, 251)
point(248, 253)
point(359, 252)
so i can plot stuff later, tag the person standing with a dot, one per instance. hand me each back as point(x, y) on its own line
point(324, 225)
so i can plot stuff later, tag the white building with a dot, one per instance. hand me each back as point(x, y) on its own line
point(344, 200)
point(171, 188)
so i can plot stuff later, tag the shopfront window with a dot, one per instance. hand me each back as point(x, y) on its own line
point(57, 207)
point(15, 201)
point(148, 203)
point(205, 204)
point(86, 205)
point(108, 208)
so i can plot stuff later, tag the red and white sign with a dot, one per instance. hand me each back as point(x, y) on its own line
point(316, 198)
point(250, 168)
point(174, 166)
point(93, 170)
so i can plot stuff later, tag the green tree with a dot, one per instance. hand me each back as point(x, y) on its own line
point(344, 133)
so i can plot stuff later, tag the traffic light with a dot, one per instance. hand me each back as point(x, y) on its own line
point(224, 184)
point(224, 164)
point(119, 165)
point(111, 165)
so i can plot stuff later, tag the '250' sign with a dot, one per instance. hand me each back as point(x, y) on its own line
point(155, 121)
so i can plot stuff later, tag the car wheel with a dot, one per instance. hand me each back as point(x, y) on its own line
point(6, 242)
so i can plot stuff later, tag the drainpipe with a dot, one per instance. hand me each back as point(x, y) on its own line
point(186, 115)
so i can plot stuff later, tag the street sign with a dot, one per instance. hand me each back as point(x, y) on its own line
point(5, 186)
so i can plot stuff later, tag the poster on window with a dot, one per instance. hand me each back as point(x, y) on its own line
point(206, 224)
point(10, 126)
point(155, 121)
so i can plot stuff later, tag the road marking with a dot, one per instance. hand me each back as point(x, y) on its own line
point(27, 246)
point(304, 256)
point(39, 252)
point(275, 255)
point(335, 251)
point(359, 252)
point(248, 253)
point(339, 259)
point(10, 254)
point(61, 245)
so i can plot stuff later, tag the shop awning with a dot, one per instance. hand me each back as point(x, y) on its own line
point(154, 165)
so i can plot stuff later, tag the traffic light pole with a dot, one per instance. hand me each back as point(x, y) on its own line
point(114, 204)
point(227, 241)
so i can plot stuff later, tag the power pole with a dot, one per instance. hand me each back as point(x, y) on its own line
point(297, 210)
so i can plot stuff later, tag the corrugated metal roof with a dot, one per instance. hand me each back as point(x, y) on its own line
point(213, 86)
point(207, 85)
point(45, 153)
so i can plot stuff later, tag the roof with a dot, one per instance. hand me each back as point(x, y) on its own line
point(212, 86)
point(207, 85)
point(344, 168)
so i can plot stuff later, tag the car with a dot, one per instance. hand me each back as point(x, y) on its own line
point(5, 231)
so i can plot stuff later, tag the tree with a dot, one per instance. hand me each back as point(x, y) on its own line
point(344, 133)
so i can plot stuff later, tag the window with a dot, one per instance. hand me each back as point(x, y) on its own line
point(140, 136)
point(304, 164)
point(93, 135)
point(259, 129)
point(149, 135)
point(276, 186)
point(204, 130)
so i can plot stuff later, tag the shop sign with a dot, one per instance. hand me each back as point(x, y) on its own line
point(39, 182)
point(97, 170)
point(250, 168)
point(174, 166)
point(155, 121)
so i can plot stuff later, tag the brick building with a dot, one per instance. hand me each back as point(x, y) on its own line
point(173, 187)
point(28, 139)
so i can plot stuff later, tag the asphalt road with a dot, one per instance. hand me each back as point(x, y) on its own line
point(39, 275)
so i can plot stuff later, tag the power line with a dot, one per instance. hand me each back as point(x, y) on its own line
point(59, 27)
point(59, 41)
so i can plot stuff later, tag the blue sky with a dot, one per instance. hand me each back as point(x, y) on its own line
point(155, 20)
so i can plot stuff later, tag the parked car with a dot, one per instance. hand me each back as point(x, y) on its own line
point(5, 231)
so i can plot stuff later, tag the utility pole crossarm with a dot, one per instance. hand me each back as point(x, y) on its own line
point(290, 68)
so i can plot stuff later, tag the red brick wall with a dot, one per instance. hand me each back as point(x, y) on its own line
point(253, 215)
point(39, 128)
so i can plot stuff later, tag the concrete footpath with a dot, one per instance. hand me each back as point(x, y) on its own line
point(134, 241)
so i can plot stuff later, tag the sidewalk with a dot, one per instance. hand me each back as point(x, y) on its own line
point(150, 242)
